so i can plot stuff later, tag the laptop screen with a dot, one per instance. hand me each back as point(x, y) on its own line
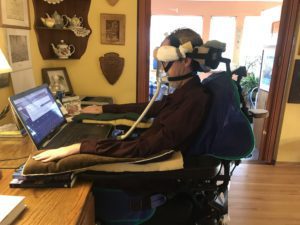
point(38, 111)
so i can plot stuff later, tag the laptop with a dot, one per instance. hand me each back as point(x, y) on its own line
point(43, 120)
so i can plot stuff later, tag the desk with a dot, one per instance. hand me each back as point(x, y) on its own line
point(63, 206)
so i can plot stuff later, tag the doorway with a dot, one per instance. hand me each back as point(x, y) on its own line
point(283, 48)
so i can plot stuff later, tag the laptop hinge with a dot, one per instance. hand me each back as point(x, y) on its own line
point(56, 133)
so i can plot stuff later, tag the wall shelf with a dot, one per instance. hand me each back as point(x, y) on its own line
point(46, 36)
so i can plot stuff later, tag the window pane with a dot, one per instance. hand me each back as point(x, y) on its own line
point(223, 29)
point(252, 43)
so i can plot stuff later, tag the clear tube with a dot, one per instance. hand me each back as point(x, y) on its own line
point(160, 80)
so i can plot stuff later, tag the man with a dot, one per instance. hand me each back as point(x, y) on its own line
point(177, 116)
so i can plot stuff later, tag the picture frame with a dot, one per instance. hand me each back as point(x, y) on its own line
point(294, 95)
point(267, 67)
point(57, 79)
point(19, 49)
point(112, 29)
point(14, 14)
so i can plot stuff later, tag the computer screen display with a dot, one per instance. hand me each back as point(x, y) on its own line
point(39, 112)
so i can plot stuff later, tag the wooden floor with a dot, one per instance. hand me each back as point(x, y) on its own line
point(265, 195)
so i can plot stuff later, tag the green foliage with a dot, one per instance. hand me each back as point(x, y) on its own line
point(249, 82)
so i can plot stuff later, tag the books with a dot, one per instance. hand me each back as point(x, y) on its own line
point(10, 208)
point(95, 100)
point(12, 134)
point(65, 180)
point(42, 183)
point(11, 130)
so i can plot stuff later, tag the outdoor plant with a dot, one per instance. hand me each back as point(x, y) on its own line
point(250, 82)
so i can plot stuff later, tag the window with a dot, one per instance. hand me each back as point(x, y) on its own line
point(223, 29)
point(252, 44)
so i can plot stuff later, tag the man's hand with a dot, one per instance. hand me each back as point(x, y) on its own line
point(59, 153)
point(93, 109)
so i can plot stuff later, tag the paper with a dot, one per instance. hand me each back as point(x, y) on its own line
point(10, 208)
point(22, 80)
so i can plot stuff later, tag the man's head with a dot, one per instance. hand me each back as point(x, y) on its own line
point(182, 65)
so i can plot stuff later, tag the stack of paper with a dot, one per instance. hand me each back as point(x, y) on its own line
point(10, 208)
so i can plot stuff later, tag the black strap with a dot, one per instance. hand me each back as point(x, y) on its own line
point(183, 77)
point(166, 69)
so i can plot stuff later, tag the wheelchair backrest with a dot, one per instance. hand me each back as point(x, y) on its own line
point(226, 133)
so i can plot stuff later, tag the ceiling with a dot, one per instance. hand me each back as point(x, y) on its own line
point(229, 0)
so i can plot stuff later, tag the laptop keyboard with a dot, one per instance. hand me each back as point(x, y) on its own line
point(76, 132)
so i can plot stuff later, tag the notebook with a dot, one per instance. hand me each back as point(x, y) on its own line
point(43, 120)
point(10, 208)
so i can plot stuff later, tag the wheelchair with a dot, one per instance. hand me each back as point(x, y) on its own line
point(198, 193)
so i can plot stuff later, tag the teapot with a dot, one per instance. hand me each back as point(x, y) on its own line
point(59, 20)
point(63, 50)
point(74, 21)
point(48, 21)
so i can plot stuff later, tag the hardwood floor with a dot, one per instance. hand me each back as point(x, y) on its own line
point(265, 195)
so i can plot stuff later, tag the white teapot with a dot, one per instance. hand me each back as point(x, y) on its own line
point(74, 21)
point(63, 50)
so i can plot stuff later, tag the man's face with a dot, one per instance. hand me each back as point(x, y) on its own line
point(178, 68)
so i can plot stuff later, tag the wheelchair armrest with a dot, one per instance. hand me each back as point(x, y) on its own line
point(259, 113)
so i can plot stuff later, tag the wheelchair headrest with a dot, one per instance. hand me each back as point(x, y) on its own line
point(210, 54)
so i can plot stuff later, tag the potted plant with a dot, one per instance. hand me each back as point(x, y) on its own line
point(249, 83)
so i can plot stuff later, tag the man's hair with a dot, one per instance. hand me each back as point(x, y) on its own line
point(183, 35)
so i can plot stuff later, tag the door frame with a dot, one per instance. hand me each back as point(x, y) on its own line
point(276, 98)
point(277, 95)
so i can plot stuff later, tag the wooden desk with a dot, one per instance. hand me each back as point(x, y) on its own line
point(47, 205)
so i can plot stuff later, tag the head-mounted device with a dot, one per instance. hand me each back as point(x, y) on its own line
point(208, 55)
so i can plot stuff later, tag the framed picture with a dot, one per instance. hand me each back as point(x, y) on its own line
point(294, 96)
point(112, 29)
point(267, 67)
point(19, 49)
point(57, 79)
point(14, 13)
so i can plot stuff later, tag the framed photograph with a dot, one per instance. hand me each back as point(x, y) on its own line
point(14, 13)
point(294, 95)
point(57, 79)
point(19, 49)
point(267, 67)
point(112, 29)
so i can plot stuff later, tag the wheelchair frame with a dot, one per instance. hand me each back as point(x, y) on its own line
point(204, 181)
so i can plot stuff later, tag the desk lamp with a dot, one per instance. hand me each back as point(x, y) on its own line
point(4, 68)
